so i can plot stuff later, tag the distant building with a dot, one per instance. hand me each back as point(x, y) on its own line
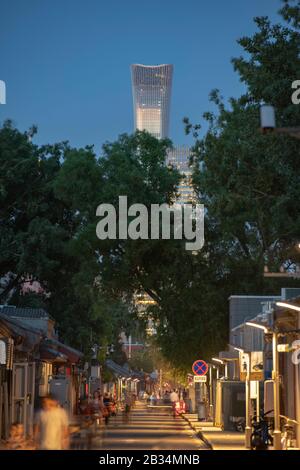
point(151, 89)
point(33, 363)
point(243, 308)
point(179, 157)
point(142, 302)
point(263, 310)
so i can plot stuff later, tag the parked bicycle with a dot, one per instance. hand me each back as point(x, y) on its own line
point(261, 437)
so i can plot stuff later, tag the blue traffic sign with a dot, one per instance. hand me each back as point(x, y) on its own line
point(200, 367)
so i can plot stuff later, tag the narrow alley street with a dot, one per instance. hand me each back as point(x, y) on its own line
point(151, 429)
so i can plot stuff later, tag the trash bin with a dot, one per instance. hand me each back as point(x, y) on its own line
point(201, 410)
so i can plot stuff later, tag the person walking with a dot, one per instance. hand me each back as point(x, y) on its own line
point(127, 407)
point(112, 405)
point(174, 397)
point(52, 426)
point(107, 407)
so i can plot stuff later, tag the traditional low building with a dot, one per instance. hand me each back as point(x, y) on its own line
point(33, 363)
point(286, 323)
point(17, 393)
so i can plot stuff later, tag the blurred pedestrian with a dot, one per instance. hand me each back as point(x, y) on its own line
point(174, 397)
point(51, 428)
point(107, 407)
point(94, 403)
point(113, 405)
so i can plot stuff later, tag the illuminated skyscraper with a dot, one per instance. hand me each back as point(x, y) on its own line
point(151, 89)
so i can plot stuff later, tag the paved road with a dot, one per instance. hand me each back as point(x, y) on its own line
point(150, 430)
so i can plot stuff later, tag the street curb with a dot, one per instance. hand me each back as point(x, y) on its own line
point(198, 433)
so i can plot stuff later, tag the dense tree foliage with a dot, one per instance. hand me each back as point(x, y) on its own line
point(48, 197)
point(248, 181)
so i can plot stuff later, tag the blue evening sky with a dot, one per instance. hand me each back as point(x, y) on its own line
point(66, 62)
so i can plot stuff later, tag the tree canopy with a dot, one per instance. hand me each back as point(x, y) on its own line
point(249, 183)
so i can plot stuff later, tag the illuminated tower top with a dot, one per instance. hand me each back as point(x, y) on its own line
point(151, 88)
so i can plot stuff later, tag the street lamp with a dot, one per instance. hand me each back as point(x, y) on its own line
point(248, 428)
point(289, 306)
point(268, 122)
point(275, 377)
point(215, 359)
point(240, 350)
point(257, 325)
point(211, 406)
point(267, 117)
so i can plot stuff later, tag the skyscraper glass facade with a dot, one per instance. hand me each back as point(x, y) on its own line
point(151, 88)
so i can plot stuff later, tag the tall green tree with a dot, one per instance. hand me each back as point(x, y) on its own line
point(48, 196)
point(32, 224)
point(249, 181)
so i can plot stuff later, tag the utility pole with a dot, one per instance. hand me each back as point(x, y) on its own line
point(275, 377)
point(248, 428)
point(211, 406)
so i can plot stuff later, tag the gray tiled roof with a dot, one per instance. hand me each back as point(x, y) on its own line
point(121, 370)
point(117, 369)
point(19, 312)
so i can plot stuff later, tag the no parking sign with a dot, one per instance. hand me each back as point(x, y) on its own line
point(200, 367)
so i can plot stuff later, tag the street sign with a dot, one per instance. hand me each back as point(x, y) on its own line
point(254, 389)
point(257, 365)
point(200, 378)
point(244, 365)
point(283, 348)
point(254, 362)
point(286, 348)
point(200, 367)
